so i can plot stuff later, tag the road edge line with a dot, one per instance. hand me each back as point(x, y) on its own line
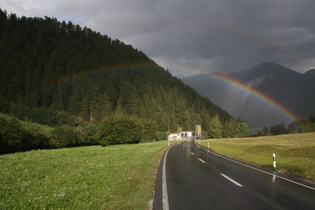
point(165, 204)
point(271, 174)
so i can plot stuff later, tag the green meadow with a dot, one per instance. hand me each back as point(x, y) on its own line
point(92, 177)
point(41, 126)
point(123, 176)
point(295, 153)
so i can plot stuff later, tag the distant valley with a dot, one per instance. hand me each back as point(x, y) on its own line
point(292, 90)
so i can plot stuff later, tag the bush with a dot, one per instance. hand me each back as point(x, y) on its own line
point(11, 135)
point(160, 136)
point(15, 137)
point(67, 136)
point(37, 139)
point(120, 130)
point(18, 137)
point(63, 136)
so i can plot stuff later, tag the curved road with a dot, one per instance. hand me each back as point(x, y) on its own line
point(191, 177)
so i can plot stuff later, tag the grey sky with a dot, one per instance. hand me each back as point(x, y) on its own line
point(195, 36)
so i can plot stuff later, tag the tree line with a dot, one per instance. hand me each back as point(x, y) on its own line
point(82, 83)
point(17, 136)
point(24, 135)
point(58, 73)
point(301, 126)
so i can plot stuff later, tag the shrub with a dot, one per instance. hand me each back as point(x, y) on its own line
point(67, 136)
point(63, 136)
point(120, 130)
point(15, 137)
point(11, 135)
point(38, 139)
point(160, 135)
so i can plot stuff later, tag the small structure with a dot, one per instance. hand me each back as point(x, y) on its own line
point(198, 134)
point(184, 135)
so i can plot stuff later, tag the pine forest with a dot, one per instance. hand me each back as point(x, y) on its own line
point(68, 77)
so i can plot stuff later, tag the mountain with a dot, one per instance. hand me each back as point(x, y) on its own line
point(292, 90)
point(310, 74)
point(51, 71)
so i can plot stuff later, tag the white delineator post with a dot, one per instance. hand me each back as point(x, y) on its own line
point(208, 145)
point(274, 160)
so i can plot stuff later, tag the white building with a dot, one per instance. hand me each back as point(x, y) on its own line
point(184, 135)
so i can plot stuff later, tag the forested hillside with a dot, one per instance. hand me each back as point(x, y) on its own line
point(58, 73)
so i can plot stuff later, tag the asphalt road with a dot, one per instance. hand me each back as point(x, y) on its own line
point(191, 177)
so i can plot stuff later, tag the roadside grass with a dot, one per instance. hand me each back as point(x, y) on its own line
point(92, 177)
point(5, 116)
point(295, 153)
point(41, 126)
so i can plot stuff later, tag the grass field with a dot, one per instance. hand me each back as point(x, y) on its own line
point(123, 176)
point(295, 153)
point(93, 177)
point(41, 126)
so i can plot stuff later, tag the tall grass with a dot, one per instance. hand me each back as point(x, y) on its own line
point(94, 177)
point(295, 153)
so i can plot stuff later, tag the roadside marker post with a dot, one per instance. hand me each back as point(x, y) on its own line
point(274, 160)
point(208, 145)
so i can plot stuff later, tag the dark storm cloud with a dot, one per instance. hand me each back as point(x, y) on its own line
point(207, 35)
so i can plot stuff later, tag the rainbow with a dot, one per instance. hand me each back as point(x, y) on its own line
point(243, 86)
point(260, 95)
point(80, 74)
point(151, 65)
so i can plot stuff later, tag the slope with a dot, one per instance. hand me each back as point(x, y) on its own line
point(292, 90)
point(51, 66)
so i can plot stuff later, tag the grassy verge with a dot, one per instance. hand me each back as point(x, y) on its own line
point(94, 177)
point(43, 127)
point(295, 153)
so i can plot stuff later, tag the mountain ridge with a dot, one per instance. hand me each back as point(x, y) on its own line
point(310, 72)
point(291, 89)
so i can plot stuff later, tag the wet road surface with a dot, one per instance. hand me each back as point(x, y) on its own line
point(191, 177)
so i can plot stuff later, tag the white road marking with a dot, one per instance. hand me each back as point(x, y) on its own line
point(164, 184)
point(202, 160)
point(192, 153)
point(265, 172)
point(231, 180)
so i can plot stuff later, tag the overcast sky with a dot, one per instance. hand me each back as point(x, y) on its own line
point(195, 35)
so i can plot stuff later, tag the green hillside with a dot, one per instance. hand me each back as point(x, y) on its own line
point(59, 66)
point(78, 81)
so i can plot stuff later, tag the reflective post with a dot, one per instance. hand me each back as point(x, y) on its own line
point(274, 160)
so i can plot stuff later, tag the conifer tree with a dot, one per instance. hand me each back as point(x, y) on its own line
point(229, 129)
point(242, 130)
point(65, 68)
point(215, 130)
